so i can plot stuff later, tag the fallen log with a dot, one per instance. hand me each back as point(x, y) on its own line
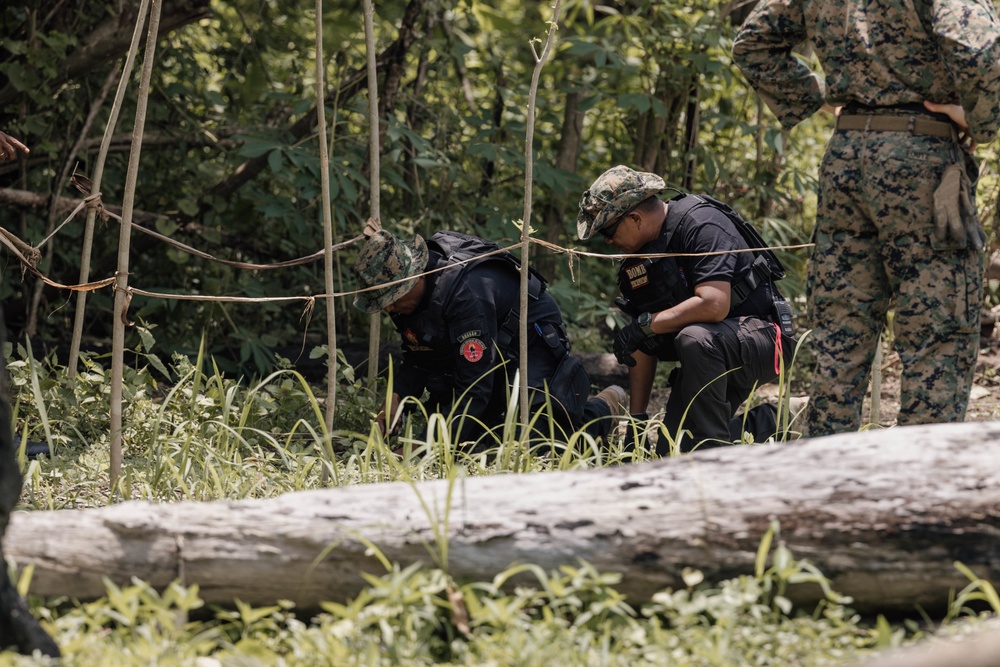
point(884, 514)
point(972, 646)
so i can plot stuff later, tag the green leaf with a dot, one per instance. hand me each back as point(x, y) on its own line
point(255, 147)
point(275, 161)
point(638, 101)
point(146, 337)
point(486, 151)
point(155, 362)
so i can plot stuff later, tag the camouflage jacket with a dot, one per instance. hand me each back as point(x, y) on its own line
point(876, 52)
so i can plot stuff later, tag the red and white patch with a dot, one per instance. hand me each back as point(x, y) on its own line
point(473, 349)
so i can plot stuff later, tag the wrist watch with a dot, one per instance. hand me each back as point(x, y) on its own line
point(645, 322)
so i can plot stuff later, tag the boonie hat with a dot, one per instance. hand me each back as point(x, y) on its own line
point(615, 192)
point(383, 259)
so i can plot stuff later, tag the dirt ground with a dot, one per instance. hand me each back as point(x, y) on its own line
point(984, 401)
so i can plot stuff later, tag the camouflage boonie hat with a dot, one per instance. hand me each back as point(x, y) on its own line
point(383, 259)
point(615, 192)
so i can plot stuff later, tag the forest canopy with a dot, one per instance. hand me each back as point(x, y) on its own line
point(230, 161)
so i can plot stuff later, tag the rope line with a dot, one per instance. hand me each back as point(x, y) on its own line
point(29, 255)
point(94, 201)
point(586, 253)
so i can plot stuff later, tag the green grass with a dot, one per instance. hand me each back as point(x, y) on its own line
point(208, 437)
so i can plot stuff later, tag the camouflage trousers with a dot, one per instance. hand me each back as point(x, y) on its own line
point(876, 249)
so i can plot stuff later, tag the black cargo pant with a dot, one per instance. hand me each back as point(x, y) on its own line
point(721, 363)
point(596, 418)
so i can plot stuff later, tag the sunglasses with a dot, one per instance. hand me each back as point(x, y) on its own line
point(609, 231)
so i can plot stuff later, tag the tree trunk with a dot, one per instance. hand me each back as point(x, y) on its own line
point(555, 216)
point(883, 514)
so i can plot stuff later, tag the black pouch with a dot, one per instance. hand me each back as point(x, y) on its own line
point(783, 316)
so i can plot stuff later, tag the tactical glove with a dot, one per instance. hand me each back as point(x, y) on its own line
point(627, 340)
point(954, 213)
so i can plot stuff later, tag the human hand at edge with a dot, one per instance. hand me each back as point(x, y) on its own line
point(9, 146)
point(957, 115)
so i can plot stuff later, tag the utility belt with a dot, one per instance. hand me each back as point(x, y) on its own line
point(781, 311)
point(956, 223)
point(913, 118)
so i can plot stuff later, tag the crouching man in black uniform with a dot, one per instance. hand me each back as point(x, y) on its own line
point(714, 312)
point(459, 325)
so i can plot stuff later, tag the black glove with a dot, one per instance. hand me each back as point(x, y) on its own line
point(627, 340)
point(635, 425)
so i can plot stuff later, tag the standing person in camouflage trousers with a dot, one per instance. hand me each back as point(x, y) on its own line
point(917, 85)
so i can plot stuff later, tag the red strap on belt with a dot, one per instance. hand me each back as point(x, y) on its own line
point(777, 349)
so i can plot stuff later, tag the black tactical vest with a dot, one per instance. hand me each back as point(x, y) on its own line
point(667, 285)
point(454, 248)
point(655, 284)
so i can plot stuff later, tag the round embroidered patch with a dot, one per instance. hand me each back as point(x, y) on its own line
point(472, 350)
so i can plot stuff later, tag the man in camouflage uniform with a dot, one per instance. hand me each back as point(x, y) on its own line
point(709, 306)
point(916, 85)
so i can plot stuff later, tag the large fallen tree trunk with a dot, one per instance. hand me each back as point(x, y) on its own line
point(970, 645)
point(884, 514)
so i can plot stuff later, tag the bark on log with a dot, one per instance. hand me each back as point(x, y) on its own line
point(884, 514)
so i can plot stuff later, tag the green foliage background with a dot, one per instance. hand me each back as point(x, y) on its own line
point(207, 437)
point(649, 84)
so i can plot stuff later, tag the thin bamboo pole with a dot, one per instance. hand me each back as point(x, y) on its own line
point(96, 177)
point(526, 217)
point(375, 329)
point(60, 183)
point(328, 268)
point(124, 245)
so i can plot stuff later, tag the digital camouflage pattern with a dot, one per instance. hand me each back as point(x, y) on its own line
point(615, 192)
point(876, 53)
point(875, 232)
point(876, 239)
point(384, 259)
